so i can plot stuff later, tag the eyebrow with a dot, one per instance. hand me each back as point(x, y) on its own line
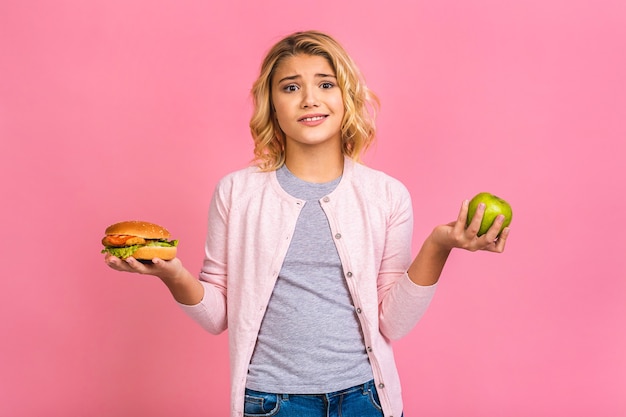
point(295, 77)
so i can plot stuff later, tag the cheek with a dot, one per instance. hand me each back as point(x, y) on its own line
point(340, 109)
point(281, 106)
point(278, 113)
point(280, 119)
point(337, 103)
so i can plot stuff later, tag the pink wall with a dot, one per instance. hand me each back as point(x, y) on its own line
point(133, 109)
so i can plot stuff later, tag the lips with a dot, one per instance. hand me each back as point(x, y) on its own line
point(312, 118)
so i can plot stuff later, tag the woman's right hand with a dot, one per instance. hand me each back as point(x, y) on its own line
point(165, 270)
point(185, 288)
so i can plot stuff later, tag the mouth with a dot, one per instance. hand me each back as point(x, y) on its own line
point(313, 118)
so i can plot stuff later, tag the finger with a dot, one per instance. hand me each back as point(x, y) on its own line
point(135, 265)
point(115, 263)
point(461, 220)
point(154, 266)
point(475, 222)
point(494, 229)
point(501, 243)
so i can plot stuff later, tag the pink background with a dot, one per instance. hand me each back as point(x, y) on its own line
point(113, 110)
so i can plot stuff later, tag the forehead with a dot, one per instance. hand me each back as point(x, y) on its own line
point(303, 65)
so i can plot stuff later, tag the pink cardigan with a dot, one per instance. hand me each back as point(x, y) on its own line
point(250, 224)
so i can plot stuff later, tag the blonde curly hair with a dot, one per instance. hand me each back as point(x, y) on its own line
point(358, 128)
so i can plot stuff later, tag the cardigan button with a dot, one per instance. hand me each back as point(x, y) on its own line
point(326, 199)
point(338, 236)
point(349, 274)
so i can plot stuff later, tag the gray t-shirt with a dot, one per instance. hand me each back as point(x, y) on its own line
point(310, 341)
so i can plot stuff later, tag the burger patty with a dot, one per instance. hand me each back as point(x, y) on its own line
point(122, 240)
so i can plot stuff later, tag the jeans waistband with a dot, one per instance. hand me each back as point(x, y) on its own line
point(364, 388)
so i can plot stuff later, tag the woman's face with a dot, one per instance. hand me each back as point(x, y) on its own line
point(308, 103)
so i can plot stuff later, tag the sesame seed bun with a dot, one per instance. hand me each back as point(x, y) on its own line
point(138, 228)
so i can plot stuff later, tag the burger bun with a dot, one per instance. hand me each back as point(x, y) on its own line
point(138, 228)
point(147, 253)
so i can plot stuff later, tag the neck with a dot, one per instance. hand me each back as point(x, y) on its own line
point(316, 168)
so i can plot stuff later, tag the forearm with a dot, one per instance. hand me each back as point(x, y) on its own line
point(429, 262)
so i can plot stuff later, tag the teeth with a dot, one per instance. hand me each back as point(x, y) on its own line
point(312, 119)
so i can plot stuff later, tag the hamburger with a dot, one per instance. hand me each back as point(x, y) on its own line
point(141, 240)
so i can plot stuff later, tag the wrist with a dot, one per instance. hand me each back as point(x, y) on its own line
point(176, 277)
point(438, 241)
point(185, 288)
point(429, 262)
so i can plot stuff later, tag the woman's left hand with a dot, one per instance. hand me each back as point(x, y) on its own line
point(457, 235)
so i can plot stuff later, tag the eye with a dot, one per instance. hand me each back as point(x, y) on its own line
point(327, 85)
point(289, 88)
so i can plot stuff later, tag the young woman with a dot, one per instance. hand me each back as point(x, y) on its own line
point(307, 256)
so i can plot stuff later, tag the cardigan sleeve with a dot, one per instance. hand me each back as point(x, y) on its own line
point(402, 303)
point(404, 306)
point(211, 312)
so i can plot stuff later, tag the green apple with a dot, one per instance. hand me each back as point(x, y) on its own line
point(494, 206)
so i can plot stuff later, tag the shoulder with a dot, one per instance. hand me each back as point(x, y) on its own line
point(376, 193)
point(239, 184)
point(248, 176)
point(239, 174)
point(378, 182)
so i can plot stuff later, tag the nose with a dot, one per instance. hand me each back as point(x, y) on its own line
point(309, 98)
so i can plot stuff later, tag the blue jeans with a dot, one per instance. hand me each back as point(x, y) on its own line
point(359, 401)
